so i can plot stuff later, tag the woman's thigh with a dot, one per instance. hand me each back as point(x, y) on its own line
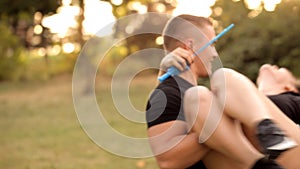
point(216, 160)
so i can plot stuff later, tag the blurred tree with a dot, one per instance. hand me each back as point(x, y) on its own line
point(10, 59)
point(20, 15)
point(80, 36)
point(23, 22)
point(124, 28)
point(260, 36)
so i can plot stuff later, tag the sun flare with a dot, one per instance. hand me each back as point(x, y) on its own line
point(99, 14)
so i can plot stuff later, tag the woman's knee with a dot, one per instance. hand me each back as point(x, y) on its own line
point(197, 95)
point(223, 75)
point(225, 78)
point(196, 101)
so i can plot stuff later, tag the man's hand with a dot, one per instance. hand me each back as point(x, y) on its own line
point(179, 58)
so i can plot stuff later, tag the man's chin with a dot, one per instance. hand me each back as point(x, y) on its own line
point(205, 74)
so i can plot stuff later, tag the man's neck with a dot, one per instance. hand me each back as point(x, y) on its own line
point(189, 76)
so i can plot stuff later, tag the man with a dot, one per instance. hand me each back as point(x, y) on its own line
point(172, 144)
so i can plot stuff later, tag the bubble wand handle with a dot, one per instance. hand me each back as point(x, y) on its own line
point(172, 71)
point(215, 38)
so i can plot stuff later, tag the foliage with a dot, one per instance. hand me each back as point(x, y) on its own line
point(20, 15)
point(259, 36)
point(19, 59)
point(12, 61)
point(36, 69)
point(140, 41)
point(17, 63)
point(13, 7)
point(270, 37)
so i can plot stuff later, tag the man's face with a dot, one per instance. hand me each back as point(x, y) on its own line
point(271, 75)
point(204, 60)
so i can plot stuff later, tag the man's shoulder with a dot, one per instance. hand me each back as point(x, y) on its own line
point(164, 104)
point(174, 83)
point(168, 87)
point(169, 82)
point(168, 93)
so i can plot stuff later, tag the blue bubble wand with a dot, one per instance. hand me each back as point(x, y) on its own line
point(172, 71)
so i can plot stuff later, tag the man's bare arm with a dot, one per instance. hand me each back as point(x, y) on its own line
point(173, 147)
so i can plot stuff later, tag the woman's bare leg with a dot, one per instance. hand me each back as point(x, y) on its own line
point(216, 160)
point(239, 97)
point(245, 103)
point(227, 138)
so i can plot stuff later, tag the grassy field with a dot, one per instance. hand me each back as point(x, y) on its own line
point(40, 130)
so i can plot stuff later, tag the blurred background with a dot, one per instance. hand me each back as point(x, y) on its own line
point(41, 40)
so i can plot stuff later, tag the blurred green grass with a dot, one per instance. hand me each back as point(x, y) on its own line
point(39, 128)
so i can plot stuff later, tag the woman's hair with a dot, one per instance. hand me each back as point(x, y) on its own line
point(298, 84)
point(179, 28)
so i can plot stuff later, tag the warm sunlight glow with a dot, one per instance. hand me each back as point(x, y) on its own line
point(194, 7)
point(254, 13)
point(38, 17)
point(137, 6)
point(218, 11)
point(269, 5)
point(68, 47)
point(38, 29)
point(41, 51)
point(253, 4)
point(98, 15)
point(64, 19)
point(160, 7)
point(159, 40)
point(117, 2)
point(53, 50)
point(66, 2)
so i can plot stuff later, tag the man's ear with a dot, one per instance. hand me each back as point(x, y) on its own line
point(188, 44)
